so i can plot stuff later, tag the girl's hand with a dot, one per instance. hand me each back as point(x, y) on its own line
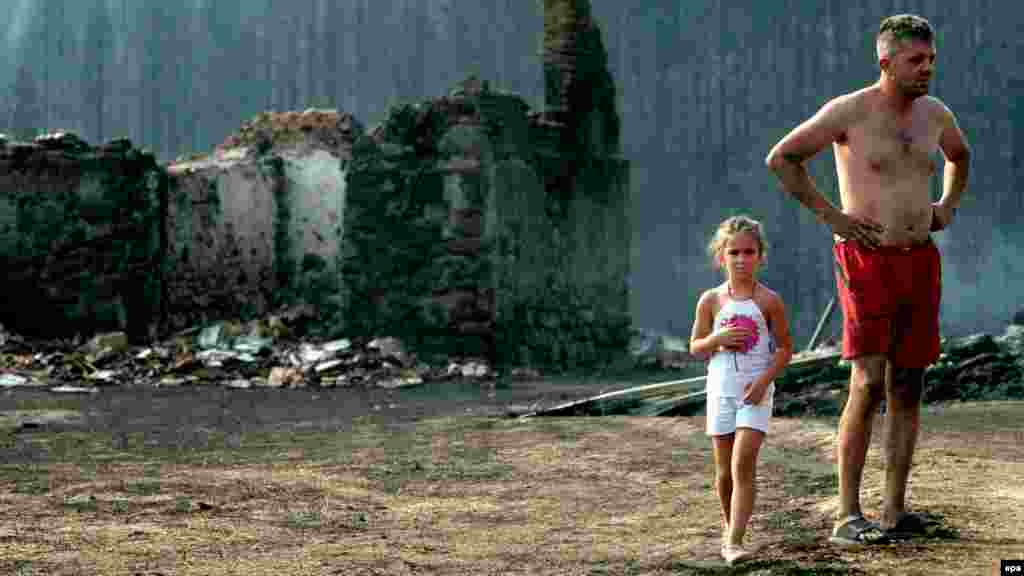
point(755, 393)
point(732, 338)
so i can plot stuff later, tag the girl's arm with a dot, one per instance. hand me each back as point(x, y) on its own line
point(703, 343)
point(704, 340)
point(775, 310)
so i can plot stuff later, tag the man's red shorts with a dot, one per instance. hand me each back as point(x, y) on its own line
point(890, 299)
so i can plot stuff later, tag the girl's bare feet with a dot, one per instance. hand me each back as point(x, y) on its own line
point(734, 554)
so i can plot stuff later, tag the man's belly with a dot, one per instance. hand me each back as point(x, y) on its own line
point(905, 215)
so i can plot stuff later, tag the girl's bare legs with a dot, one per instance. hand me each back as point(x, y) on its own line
point(744, 470)
point(722, 449)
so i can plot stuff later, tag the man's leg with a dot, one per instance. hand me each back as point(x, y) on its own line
point(903, 388)
point(867, 384)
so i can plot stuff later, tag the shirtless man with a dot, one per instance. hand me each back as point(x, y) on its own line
point(887, 268)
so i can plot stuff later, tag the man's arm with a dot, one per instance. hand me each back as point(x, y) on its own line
point(787, 161)
point(954, 182)
point(787, 158)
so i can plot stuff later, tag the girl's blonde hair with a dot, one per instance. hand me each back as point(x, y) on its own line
point(730, 227)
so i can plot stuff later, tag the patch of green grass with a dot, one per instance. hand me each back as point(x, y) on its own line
point(80, 503)
point(27, 478)
point(467, 465)
point(182, 505)
point(305, 519)
point(801, 483)
point(88, 471)
point(67, 446)
point(73, 447)
point(973, 416)
point(762, 568)
point(438, 452)
point(572, 429)
point(393, 475)
point(209, 448)
point(943, 532)
point(805, 473)
point(359, 521)
point(45, 403)
point(793, 569)
point(470, 467)
point(23, 568)
point(145, 487)
point(322, 517)
point(788, 521)
point(254, 448)
point(119, 506)
point(604, 568)
point(693, 449)
point(97, 448)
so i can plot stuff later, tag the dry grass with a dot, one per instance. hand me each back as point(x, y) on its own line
point(587, 496)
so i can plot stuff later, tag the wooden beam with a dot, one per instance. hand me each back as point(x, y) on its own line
point(821, 323)
point(672, 392)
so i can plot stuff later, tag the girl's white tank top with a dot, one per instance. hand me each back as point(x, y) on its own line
point(728, 371)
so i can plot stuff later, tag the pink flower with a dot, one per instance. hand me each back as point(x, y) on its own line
point(747, 323)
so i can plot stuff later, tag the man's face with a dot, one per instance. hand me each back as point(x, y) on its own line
point(911, 67)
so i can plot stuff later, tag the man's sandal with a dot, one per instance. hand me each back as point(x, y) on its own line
point(856, 531)
point(912, 524)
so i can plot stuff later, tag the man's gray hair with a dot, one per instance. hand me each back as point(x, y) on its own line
point(896, 30)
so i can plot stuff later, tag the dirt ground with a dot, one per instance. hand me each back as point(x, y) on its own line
point(213, 481)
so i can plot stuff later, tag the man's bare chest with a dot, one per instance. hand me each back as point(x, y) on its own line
point(890, 148)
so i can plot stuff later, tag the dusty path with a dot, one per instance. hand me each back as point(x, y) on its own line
point(181, 484)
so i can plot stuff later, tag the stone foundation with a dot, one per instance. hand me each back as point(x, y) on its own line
point(80, 237)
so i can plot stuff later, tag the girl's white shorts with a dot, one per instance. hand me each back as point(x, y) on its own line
point(726, 413)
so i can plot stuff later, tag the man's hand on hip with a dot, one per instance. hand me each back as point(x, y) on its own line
point(942, 216)
point(858, 229)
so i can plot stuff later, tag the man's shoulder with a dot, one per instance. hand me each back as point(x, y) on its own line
point(858, 96)
point(936, 106)
point(851, 106)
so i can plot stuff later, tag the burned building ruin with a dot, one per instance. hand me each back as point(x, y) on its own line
point(465, 224)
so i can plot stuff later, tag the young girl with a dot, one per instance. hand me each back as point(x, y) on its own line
point(741, 325)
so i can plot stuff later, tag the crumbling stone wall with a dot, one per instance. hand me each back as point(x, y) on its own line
point(464, 234)
point(563, 259)
point(220, 252)
point(414, 265)
point(474, 226)
point(565, 248)
point(258, 223)
point(80, 239)
point(464, 225)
